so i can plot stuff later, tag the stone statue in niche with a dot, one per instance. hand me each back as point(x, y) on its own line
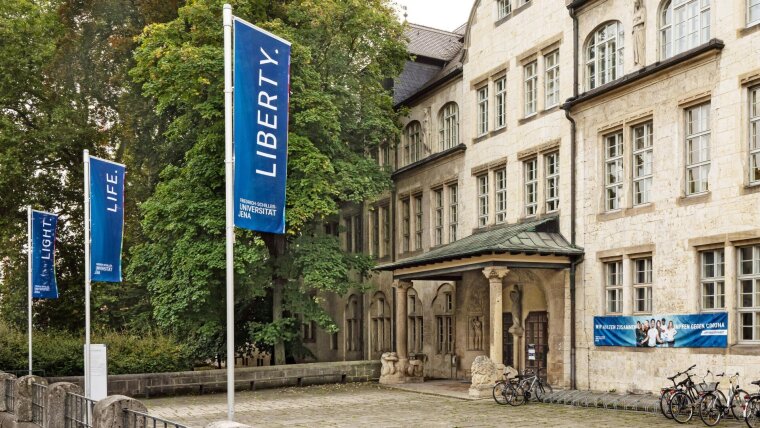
point(477, 333)
point(516, 296)
point(639, 32)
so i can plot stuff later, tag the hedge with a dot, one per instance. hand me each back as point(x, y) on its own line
point(60, 353)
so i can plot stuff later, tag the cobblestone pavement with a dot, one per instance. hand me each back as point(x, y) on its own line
point(364, 405)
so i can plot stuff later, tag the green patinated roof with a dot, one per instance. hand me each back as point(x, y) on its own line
point(539, 237)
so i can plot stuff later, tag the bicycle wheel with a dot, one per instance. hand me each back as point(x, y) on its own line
point(710, 409)
point(681, 408)
point(518, 395)
point(752, 417)
point(665, 403)
point(543, 390)
point(739, 403)
point(501, 393)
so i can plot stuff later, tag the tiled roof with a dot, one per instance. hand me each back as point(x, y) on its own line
point(532, 237)
point(433, 43)
point(414, 76)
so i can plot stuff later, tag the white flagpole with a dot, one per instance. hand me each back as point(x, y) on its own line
point(87, 280)
point(229, 165)
point(29, 278)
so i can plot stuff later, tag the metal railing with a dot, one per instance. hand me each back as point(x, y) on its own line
point(10, 395)
point(39, 392)
point(78, 411)
point(135, 419)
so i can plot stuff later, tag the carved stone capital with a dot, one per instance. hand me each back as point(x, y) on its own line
point(402, 285)
point(495, 273)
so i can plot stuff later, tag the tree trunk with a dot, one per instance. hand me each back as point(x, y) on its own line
point(276, 244)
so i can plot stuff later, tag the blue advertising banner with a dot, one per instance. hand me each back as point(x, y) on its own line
point(262, 95)
point(44, 227)
point(106, 219)
point(708, 330)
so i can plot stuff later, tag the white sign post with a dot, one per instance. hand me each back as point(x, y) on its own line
point(98, 373)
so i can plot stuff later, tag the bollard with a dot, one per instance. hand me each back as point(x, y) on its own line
point(227, 424)
point(109, 412)
point(56, 403)
point(24, 396)
point(3, 377)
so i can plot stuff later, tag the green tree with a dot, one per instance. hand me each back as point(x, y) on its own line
point(342, 52)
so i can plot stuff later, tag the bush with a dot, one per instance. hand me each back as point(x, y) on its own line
point(62, 353)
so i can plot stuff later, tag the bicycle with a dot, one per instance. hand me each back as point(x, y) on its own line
point(507, 391)
point(667, 393)
point(682, 402)
point(533, 386)
point(752, 409)
point(714, 405)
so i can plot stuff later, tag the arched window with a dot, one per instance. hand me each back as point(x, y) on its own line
point(380, 312)
point(414, 323)
point(354, 324)
point(684, 24)
point(448, 125)
point(604, 55)
point(412, 142)
point(443, 307)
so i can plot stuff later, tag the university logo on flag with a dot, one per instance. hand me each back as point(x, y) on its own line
point(262, 95)
point(44, 226)
point(106, 219)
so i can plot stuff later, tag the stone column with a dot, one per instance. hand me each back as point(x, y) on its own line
point(627, 285)
point(402, 287)
point(56, 403)
point(3, 377)
point(24, 396)
point(495, 276)
point(731, 292)
point(109, 412)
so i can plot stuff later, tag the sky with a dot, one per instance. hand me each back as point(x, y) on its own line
point(443, 14)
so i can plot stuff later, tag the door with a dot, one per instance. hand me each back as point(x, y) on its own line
point(507, 340)
point(537, 342)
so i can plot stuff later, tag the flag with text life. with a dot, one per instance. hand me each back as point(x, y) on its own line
point(106, 219)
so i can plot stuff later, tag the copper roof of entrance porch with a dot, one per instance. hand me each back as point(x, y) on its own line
point(536, 244)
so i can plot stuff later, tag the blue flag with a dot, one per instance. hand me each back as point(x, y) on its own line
point(106, 219)
point(43, 284)
point(262, 95)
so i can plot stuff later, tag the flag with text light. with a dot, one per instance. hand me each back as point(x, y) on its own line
point(107, 219)
point(43, 284)
point(261, 97)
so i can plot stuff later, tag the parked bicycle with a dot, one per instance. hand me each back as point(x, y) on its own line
point(714, 406)
point(667, 393)
point(508, 391)
point(683, 402)
point(752, 410)
point(533, 387)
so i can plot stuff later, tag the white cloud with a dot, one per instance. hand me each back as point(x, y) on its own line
point(443, 14)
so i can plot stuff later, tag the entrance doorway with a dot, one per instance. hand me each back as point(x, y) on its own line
point(537, 338)
point(507, 340)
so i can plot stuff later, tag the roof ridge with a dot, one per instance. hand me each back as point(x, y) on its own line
point(449, 33)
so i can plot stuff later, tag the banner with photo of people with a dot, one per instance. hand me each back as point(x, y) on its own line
point(708, 330)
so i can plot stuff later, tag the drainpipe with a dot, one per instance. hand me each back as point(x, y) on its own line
point(392, 214)
point(573, 203)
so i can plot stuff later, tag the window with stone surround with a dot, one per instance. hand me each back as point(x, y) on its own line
point(754, 133)
point(712, 280)
point(381, 323)
point(309, 331)
point(642, 163)
point(448, 125)
point(500, 87)
point(483, 111)
point(531, 88)
point(415, 330)
point(385, 215)
point(551, 165)
point(551, 65)
point(353, 324)
point(453, 211)
point(613, 171)
point(376, 232)
point(500, 177)
point(530, 167)
point(753, 12)
point(614, 286)
point(482, 200)
point(604, 55)
point(749, 294)
point(444, 319)
point(697, 149)
point(684, 24)
point(503, 9)
point(438, 217)
point(418, 222)
point(642, 285)
point(412, 143)
point(405, 226)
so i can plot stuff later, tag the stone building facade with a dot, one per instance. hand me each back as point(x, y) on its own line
point(562, 160)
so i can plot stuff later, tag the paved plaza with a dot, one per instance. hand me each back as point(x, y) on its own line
point(364, 405)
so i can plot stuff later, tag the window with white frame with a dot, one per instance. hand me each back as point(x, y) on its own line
point(712, 280)
point(418, 222)
point(753, 12)
point(684, 24)
point(449, 126)
point(697, 149)
point(613, 153)
point(405, 225)
point(551, 65)
point(754, 134)
point(531, 87)
point(551, 164)
point(749, 294)
point(482, 200)
point(503, 8)
point(438, 217)
point(500, 177)
point(642, 164)
point(453, 211)
point(413, 143)
point(531, 187)
point(501, 102)
point(604, 55)
point(483, 111)
point(642, 285)
point(614, 286)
